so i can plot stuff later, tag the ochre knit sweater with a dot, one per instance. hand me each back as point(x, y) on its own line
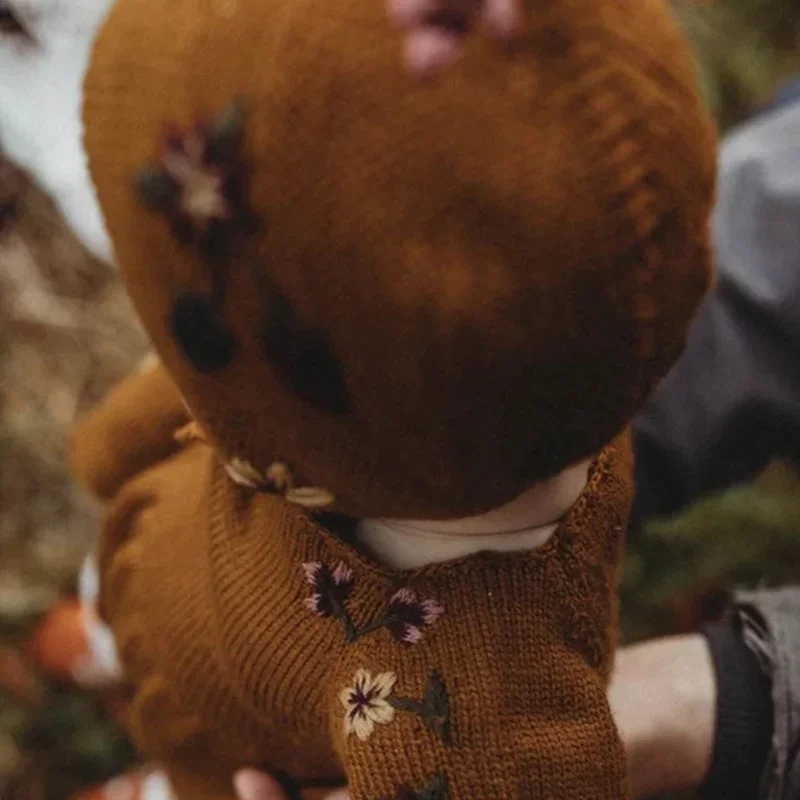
point(251, 633)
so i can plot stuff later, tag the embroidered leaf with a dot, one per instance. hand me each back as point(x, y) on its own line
point(226, 133)
point(435, 789)
point(409, 705)
point(433, 710)
point(201, 334)
point(156, 189)
point(302, 355)
point(437, 708)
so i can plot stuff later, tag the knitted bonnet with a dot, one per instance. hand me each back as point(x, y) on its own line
point(394, 298)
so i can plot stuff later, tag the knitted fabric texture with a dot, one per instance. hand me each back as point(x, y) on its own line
point(440, 293)
point(382, 299)
point(253, 636)
point(133, 429)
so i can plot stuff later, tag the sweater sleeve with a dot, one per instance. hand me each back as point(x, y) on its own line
point(157, 599)
point(731, 402)
point(131, 430)
point(151, 561)
point(192, 585)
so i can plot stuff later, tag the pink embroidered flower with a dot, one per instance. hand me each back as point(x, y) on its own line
point(329, 589)
point(408, 617)
point(366, 703)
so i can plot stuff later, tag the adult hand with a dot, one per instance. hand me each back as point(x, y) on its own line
point(663, 698)
point(253, 785)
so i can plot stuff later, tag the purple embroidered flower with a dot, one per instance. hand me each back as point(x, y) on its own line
point(199, 183)
point(329, 588)
point(408, 617)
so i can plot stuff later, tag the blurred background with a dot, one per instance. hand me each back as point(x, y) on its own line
point(67, 334)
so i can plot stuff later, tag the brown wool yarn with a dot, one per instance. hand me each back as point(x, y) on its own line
point(415, 300)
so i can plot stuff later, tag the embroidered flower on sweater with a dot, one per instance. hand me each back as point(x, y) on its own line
point(278, 479)
point(244, 473)
point(366, 703)
point(311, 497)
point(407, 617)
point(329, 588)
point(199, 183)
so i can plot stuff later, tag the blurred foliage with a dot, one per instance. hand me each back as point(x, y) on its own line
point(745, 50)
point(66, 335)
point(680, 570)
point(61, 745)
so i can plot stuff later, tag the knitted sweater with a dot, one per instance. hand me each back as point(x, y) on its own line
point(255, 635)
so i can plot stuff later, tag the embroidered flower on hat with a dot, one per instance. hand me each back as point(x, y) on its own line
point(199, 184)
point(329, 588)
point(366, 703)
point(407, 617)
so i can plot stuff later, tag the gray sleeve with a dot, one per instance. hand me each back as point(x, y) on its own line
point(770, 626)
point(732, 402)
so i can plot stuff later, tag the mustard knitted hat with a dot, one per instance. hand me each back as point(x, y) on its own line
point(395, 298)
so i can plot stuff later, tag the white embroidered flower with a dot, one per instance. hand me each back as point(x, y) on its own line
point(244, 473)
point(366, 703)
point(279, 476)
point(278, 479)
point(310, 497)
